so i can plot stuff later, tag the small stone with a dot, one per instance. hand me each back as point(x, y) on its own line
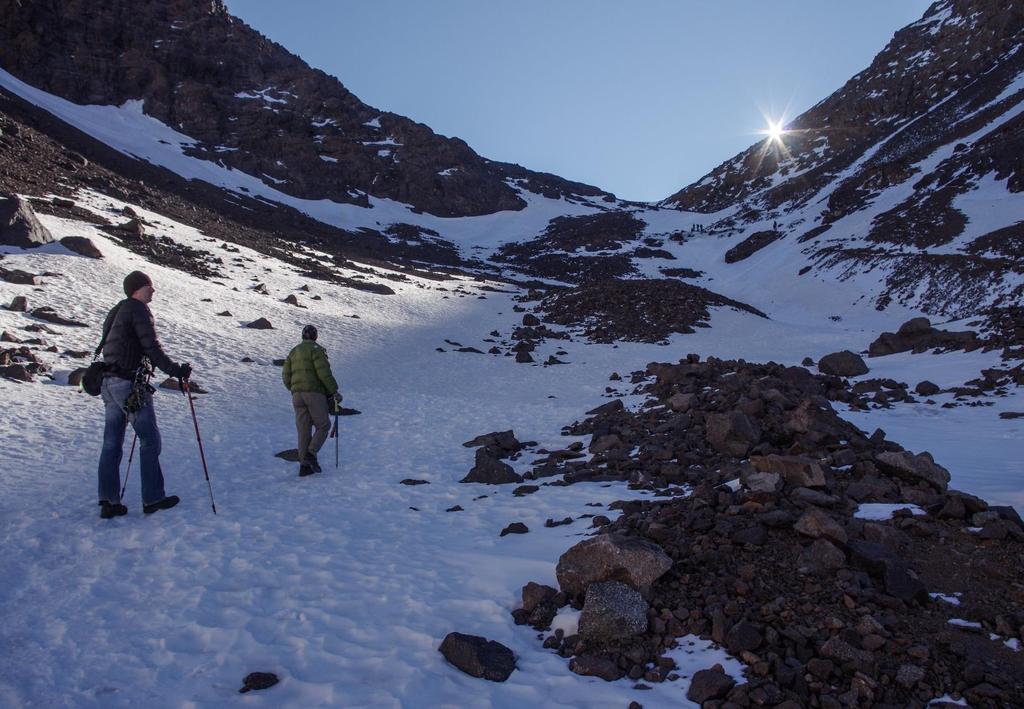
point(257, 681)
point(515, 528)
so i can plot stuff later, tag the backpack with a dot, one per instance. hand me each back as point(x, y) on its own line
point(92, 379)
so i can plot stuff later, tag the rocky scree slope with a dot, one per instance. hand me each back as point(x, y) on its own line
point(759, 544)
point(253, 105)
point(882, 173)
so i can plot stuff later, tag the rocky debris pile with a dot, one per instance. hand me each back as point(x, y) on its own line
point(19, 225)
point(645, 310)
point(555, 253)
point(1004, 329)
point(825, 607)
point(478, 656)
point(165, 251)
point(21, 363)
point(917, 335)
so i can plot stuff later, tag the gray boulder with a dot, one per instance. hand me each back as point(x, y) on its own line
point(611, 611)
point(19, 225)
point(732, 433)
point(709, 684)
point(478, 657)
point(906, 465)
point(797, 471)
point(611, 557)
point(843, 364)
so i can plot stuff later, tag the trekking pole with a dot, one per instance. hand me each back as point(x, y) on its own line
point(337, 437)
point(128, 472)
point(202, 455)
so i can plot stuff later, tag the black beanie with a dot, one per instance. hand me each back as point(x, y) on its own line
point(309, 333)
point(135, 280)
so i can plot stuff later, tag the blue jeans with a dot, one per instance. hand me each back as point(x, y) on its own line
point(114, 393)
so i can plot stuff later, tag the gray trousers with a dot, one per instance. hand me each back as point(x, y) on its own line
point(310, 410)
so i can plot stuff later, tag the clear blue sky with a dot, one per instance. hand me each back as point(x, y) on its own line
point(639, 98)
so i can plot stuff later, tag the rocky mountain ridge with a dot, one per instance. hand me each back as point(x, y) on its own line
point(253, 106)
point(913, 168)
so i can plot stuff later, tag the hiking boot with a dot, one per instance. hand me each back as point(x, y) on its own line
point(112, 509)
point(164, 504)
point(314, 464)
point(305, 470)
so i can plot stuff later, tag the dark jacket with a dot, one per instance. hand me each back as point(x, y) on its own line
point(307, 369)
point(130, 334)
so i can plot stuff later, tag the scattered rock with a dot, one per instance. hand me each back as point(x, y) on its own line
point(515, 528)
point(478, 656)
point(257, 681)
point(413, 481)
point(596, 666)
point(259, 324)
point(52, 316)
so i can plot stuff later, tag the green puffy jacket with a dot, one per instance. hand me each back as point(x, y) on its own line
point(307, 369)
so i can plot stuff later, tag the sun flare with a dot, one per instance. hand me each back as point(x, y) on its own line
point(775, 130)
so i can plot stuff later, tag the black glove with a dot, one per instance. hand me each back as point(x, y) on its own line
point(184, 372)
point(337, 397)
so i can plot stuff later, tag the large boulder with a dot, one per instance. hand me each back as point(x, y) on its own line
point(843, 364)
point(732, 433)
point(914, 468)
point(707, 685)
point(478, 657)
point(19, 304)
point(490, 470)
point(611, 557)
point(19, 225)
point(796, 470)
point(82, 246)
point(612, 611)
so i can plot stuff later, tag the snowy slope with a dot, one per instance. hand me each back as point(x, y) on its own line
point(334, 582)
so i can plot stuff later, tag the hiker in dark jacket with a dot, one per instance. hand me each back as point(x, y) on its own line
point(307, 375)
point(129, 334)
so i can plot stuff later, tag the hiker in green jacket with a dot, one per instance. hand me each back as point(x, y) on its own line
point(307, 375)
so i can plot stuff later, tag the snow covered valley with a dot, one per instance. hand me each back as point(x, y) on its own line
point(345, 583)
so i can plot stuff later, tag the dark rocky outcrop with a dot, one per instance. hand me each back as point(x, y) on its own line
point(478, 656)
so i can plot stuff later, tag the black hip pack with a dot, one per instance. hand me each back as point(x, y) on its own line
point(92, 380)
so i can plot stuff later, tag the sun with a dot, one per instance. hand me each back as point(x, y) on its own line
point(775, 131)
